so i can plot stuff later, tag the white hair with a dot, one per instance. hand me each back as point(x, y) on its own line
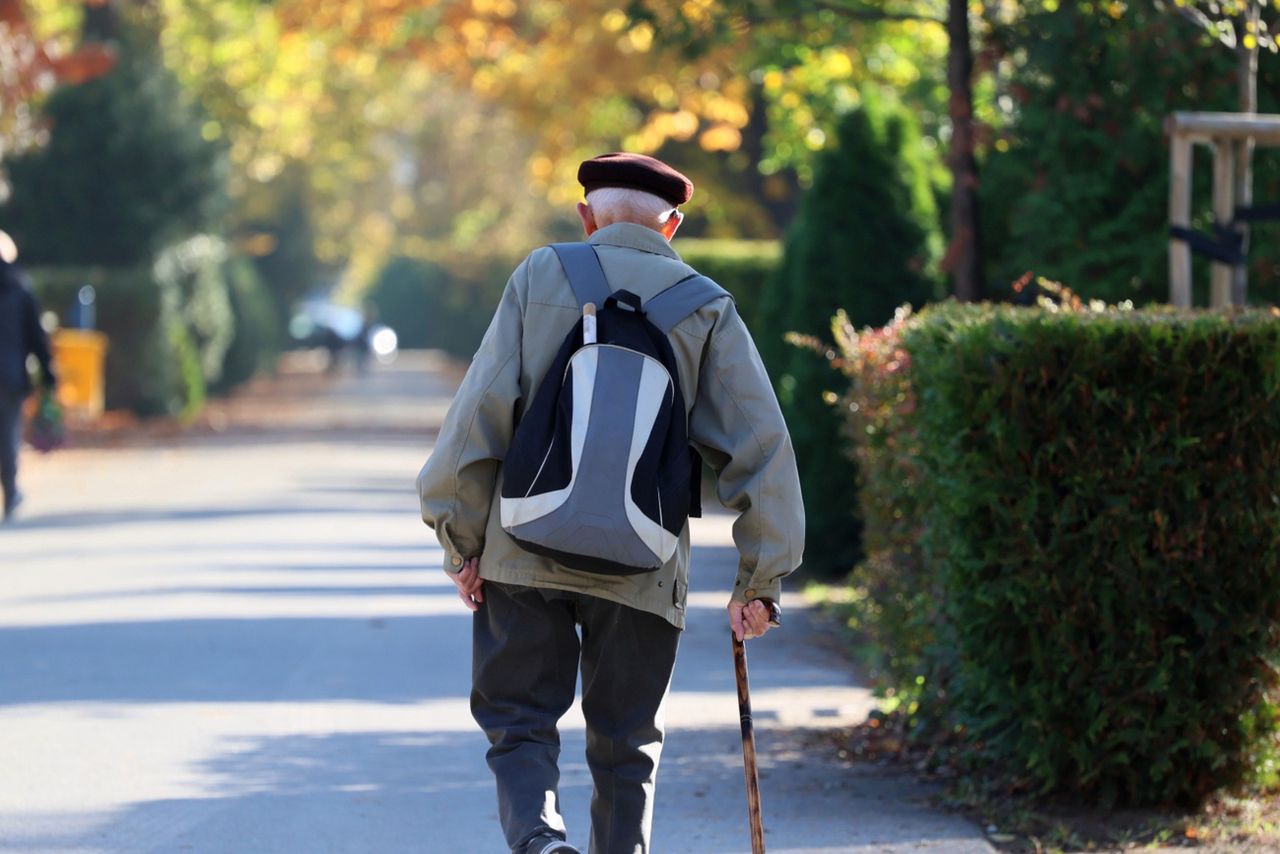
point(623, 204)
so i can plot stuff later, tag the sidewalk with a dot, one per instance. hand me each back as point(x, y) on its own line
point(239, 640)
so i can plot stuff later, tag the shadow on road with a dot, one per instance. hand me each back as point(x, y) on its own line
point(389, 791)
point(384, 660)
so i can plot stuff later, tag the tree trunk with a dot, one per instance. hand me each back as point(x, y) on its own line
point(101, 22)
point(964, 257)
point(781, 207)
point(1248, 88)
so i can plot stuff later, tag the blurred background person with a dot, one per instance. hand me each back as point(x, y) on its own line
point(21, 335)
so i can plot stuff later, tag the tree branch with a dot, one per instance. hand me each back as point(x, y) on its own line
point(1193, 14)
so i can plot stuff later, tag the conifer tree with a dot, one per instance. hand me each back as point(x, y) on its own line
point(867, 239)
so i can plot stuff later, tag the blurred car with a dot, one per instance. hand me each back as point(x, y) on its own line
point(319, 323)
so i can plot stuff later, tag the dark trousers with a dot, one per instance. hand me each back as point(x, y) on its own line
point(526, 654)
point(10, 439)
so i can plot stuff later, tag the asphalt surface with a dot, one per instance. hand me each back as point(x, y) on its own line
point(240, 641)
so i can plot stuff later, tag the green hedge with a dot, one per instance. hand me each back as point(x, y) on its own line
point(191, 321)
point(448, 307)
point(742, 267)
point(144, 363)
point(429, 305)
point(1095, 497)
point(258, 332)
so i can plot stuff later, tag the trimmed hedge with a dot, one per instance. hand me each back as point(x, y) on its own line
point(1095, 496)
point(742, 267)
point(449, 307)
point(145, 356)
point(429, 305)
point(190, 322)
point(258, 334)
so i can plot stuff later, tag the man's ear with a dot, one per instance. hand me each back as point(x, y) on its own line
point(588, 218)
point(672, 224)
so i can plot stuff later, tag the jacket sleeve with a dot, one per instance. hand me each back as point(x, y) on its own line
point(37, 339)
point(737, 426)
point(455, 486)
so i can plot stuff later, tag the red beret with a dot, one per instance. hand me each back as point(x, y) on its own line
point(636, 172)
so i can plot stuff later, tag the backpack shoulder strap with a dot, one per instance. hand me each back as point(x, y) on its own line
point(666, 309)
point(586, 276)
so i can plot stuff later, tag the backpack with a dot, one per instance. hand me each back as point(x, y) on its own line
point(600, 475)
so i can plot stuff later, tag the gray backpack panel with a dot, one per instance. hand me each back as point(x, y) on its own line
point(592, 512)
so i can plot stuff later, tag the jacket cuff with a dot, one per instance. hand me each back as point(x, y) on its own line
point(453, 563)
point(745, 589)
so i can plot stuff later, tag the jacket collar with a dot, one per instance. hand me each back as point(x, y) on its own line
point(632, 236)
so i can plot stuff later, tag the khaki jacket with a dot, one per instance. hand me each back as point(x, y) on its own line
point(734, 422)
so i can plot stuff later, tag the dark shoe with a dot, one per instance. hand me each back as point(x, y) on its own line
point(12, 506)
point(547, 844)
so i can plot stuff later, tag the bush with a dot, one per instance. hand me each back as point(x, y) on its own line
point(429, 305)
point(742, 267)
point(867, 239)
point(171, 326)
point(449, 307)
point(257, 337)
point(895, 599)
point(142, 363)
point(1101, 538)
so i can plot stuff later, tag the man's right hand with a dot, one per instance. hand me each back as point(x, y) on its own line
point(750, 620)
point(470, 584)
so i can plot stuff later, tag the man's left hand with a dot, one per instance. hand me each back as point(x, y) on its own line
point(470, 584)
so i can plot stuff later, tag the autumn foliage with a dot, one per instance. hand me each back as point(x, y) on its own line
point(30, 67)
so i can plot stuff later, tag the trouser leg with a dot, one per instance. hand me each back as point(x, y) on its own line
point(627, 660)
point(524, 668)
point(10, 439)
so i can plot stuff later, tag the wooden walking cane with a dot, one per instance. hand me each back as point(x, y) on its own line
point(755, 815)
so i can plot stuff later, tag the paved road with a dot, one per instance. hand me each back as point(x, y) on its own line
point(241, 643)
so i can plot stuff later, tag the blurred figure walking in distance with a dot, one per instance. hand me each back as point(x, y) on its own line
point(21, 335)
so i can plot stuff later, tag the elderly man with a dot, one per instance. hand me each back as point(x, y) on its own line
point(537, 621)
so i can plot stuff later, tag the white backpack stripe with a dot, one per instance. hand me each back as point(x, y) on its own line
point(655, 383)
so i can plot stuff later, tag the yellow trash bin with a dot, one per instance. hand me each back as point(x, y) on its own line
point(79, 357)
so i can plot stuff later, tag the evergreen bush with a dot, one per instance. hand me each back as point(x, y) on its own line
point(429, 305)
point(1093, 494)
point(124, 197)
point(142, 362)
point(171, 327)
point(741, 267)
point(126, 171)
point(257, 338)
point(866, 240)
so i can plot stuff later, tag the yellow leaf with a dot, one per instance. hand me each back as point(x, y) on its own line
point(720, 138)
point(641, 38)
point(614, 21)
